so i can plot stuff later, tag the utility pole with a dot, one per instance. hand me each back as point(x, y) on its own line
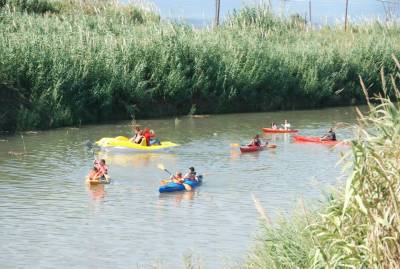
point(217, 10)
point(345, 16)
point(309, 10)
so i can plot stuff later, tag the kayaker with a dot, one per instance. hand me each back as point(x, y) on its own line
point(136, 130)
point(93, 173)
point(191, 175)
point(139, 138)
point(177, 178)
point(256, 141)
point(147, 136)
point(330, 136)
point(274, 126)
point(286, 125)
point(102, 168)
point(153, 138)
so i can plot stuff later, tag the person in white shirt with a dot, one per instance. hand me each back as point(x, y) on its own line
point(286, 125)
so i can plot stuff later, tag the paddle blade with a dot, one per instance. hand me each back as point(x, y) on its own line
point(165, 181)
point(161, 166)
point(235, 145)
point(187, 187)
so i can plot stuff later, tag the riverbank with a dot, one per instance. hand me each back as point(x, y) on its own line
point(359, 227)
point(70, 64)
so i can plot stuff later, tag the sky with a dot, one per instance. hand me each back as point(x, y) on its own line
point(322, 10)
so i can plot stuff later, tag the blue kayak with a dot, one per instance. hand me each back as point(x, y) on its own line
point(172, 186)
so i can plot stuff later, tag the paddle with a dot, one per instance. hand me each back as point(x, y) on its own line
point(161, 166)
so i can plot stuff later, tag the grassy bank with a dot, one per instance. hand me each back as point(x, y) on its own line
point(69, 63)
point(360, 227)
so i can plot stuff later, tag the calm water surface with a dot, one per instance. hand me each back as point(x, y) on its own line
point(51, 219)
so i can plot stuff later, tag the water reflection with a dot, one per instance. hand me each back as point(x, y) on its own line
point(134, 159)
point(96, 192)
point(176, 198)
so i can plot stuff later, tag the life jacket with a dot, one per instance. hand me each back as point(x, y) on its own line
point(147, 136)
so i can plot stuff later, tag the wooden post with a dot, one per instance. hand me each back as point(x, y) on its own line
point(309, 11)
point(345, 16)
point(217, 10)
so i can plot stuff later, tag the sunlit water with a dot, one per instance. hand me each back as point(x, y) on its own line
point(51, 219)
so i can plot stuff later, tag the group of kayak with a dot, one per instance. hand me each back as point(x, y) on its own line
point(256, 145)
point(145, 140)
point(142, 140)
point(177, 182)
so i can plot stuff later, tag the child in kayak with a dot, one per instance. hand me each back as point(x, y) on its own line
point(177, 178)
point(136, 130)
point(256, 141)
point(93, 174)
point(330, 136)
point(191, 175)
point(101, 166)
point(153, 138)
point(274, 126)
point(139, 137)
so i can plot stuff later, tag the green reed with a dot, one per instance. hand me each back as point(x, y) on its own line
point(84, 62)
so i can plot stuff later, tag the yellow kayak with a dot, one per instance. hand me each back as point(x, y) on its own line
point(105, 180)
point(122, 142)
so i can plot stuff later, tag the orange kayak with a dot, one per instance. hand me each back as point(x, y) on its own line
point(279, 131)
point(313, 139)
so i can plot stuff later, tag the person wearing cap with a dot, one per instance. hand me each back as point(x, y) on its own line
point(191, 175)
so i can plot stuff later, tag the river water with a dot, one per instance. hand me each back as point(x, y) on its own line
point(51, 219)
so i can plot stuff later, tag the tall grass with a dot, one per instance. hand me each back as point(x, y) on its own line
point(92, 62)
point(360, 227)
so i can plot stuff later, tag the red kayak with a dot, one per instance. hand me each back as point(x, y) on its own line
point(279, 131)
point(245, 149)
point(312, 139)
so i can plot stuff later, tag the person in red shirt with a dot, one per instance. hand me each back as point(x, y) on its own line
point(147, 135)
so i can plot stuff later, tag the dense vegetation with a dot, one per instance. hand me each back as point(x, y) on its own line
point(68, 62)
point(360, 227)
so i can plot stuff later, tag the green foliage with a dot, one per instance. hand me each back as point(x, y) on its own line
point(33, 6)
point(288, 245)
point(93, 61)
